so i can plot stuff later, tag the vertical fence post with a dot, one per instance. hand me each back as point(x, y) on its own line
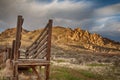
point(13, 49)
point(18, 37)
point(49, 48)
point(17, 45)
point(8, 53)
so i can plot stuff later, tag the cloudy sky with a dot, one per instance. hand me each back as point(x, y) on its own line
point(101, 16)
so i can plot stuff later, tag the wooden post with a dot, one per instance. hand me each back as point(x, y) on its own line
point(49, 49)
point(13, 49)
point(8, 53)
point(49, 39)
point(17, 45)
point(18, 37)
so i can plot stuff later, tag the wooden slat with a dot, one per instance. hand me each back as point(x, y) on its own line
point(42, 55)
point(43, 35)
point(43, 42)
point(39, 51)
point(40, 46)
point(33, 63)
point(37, 43)
point(32, 47)
point(28, 62)
point(49, 41)
point(38, 37)
point(36, 47)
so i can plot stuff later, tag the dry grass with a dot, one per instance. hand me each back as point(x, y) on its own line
point(8, 70)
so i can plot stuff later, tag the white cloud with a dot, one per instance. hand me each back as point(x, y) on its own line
point(108, 11)
point(107, 24)
point(36, 14)
point(108, 27)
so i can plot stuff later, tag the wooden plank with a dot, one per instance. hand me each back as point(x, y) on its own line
point(33, 64)
point(39, 49)
point(36, 50)
point(44, 36)
point(36, 47)
point(8, 53)
point(15, 71)
point(40, 54)
point(17, 45)
point(28, 50)
point(33, 60)
point(18, 37)
point(49, 39)
point(49, 49)
point(47, 72)
point(15, 51)
point(13, 48)
point(29, 62)
point(38, 37)
point(43, 47)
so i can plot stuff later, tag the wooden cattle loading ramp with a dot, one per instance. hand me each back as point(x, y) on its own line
point(37, 54)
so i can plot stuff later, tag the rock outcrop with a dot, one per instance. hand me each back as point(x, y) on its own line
point(92, 41)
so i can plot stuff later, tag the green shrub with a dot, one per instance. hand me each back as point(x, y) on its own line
point(96, 64)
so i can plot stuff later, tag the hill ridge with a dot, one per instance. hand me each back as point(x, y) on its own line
point(62, 35)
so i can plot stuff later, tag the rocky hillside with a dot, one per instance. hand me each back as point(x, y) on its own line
point(84, 38)
point(77, 38)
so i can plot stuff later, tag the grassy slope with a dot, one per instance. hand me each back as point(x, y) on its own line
point(61, 73)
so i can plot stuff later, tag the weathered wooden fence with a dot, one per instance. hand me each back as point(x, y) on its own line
point(37, 54)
